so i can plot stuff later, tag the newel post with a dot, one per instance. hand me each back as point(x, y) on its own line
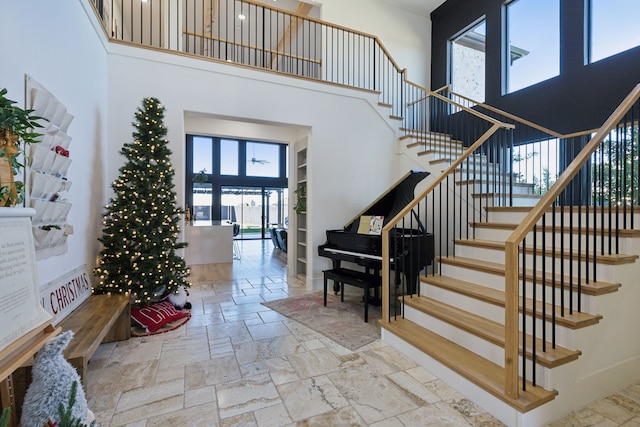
point(511, 320)
point(385, 275)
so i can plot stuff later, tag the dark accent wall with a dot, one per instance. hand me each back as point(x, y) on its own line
point(582, 97)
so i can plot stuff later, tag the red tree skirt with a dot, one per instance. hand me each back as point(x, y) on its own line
point(137, 331)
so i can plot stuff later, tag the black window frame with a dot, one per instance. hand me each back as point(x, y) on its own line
point(241, 180)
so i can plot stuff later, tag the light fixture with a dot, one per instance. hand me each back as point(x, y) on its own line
point(242, 16)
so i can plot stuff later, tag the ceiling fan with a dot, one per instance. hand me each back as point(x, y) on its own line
point(262, 162)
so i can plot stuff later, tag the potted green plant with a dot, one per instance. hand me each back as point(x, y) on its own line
point(16, 132)
point(301, 200)
point(200, 177)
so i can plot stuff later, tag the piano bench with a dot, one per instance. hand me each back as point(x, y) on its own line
point(362, 280)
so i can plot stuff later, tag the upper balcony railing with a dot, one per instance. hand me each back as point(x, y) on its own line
point(256, 35)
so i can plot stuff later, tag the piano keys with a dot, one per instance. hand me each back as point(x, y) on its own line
point(411, 249)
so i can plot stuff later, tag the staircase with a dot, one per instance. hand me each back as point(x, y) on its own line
point(578, 309)
point(456, 320)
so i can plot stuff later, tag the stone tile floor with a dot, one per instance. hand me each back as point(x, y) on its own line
point(238, 363)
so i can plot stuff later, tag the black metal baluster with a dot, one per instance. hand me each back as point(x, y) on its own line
point(579, 232)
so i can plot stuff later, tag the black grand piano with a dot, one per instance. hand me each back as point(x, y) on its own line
point(411, 249)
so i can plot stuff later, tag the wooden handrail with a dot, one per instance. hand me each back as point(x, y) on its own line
point(249, 46)
point(472, 111)
point(443, 88)
point(449, 101)
point(527, 225)
point(407, 209)
point(524, 121)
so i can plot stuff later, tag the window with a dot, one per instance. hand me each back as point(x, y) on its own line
point(467, 67)
point(613, 27)
point(229, 157)
point(532, 53)
point(263, 159)
point(202, 154)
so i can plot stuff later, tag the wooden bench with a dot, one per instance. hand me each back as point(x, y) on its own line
point(359, 279)
point(98, 319)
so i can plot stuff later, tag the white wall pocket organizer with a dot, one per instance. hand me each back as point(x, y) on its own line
point(47, 182)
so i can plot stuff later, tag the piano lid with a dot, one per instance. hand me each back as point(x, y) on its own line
point(392, 201)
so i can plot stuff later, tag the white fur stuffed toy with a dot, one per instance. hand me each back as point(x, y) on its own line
point(53, 377)
point(179, 300)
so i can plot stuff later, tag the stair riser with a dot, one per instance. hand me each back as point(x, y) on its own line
point(480, 277)
point(626, 245)
point(499, 187)
point(444, 154)
point(564, 336)
point(478, 345)
point(476, 172)
point(497, 282)
point(564, 266)
point(499, 201)
point(435, 144)
point(518, 217)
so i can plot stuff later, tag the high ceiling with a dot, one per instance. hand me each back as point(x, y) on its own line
point(424, 7)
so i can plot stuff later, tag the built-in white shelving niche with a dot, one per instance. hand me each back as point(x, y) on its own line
point(301, 218)
point(46, 180)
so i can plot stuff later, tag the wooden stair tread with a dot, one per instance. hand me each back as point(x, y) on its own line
point(451, 160)
point(490, 331)
point(439, 151)
point(507, 195)
point(610, 259)
point(591, 288)
point(480, 371)
point(625, 232)
point(574, 320)
point(412, 133)
point(436, 142)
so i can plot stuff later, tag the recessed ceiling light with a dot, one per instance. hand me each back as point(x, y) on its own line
point(242, 16)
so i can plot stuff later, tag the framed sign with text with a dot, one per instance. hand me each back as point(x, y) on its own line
point(20, 307)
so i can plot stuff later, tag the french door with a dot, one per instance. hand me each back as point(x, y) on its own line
point(256, 209)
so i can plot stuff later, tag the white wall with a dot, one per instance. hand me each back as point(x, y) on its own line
point(405, 34)
point(351, 144)
point(55, 43)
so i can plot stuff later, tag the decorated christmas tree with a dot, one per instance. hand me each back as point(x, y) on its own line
point(142, 220)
